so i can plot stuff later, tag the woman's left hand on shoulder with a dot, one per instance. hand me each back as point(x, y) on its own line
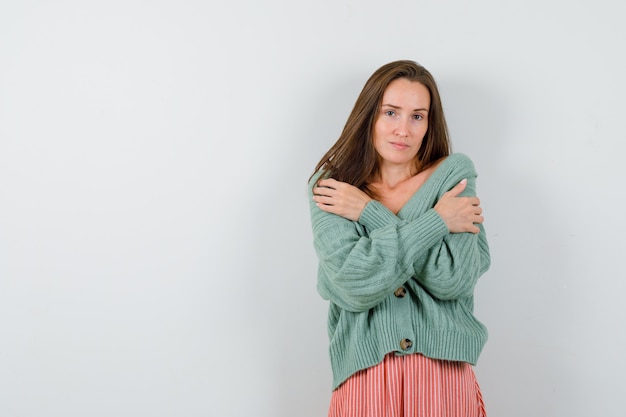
point(340, 198)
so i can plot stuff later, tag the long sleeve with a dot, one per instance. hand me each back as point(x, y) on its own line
point(359, 269)
point(452, 268)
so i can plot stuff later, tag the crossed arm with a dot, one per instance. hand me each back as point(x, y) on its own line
point(442, 249)
point(460, 214)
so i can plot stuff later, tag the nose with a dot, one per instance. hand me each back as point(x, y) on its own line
point(402, 128)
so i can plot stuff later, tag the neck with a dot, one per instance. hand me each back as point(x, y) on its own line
point(392, 175)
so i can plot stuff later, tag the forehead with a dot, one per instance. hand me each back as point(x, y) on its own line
point(405, 93)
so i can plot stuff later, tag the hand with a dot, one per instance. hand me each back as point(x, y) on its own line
point(340, 198)
point(461, 214)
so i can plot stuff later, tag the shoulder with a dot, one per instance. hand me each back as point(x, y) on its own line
point(459, 162)
point(458, 158)
point(315, 178)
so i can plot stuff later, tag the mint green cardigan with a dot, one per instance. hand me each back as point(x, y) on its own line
point(363, 264)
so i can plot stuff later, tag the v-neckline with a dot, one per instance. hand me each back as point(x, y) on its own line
point(409, 202)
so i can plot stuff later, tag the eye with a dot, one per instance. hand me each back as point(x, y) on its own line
point(418, 117)
point(390, 113)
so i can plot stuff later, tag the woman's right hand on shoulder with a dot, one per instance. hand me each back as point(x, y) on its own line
point(460, 214)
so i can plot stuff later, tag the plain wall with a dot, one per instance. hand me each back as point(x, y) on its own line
point(156, 255)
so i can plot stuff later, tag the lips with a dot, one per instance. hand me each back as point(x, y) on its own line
point(399, 145)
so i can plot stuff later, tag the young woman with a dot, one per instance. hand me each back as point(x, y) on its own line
point(398, 231)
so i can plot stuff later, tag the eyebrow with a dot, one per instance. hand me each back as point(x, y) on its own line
point(399, 108)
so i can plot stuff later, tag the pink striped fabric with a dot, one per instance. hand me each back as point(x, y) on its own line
point(410, 386)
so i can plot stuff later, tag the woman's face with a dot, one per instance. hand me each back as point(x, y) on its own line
point(402, 122)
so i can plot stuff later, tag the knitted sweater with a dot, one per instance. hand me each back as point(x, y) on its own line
point(401, 283)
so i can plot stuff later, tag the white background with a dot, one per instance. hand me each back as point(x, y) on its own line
point(155, 248)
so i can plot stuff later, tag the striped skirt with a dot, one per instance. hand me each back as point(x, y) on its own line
point(410, 386)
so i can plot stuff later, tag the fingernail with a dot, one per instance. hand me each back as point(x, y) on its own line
point(463, 181)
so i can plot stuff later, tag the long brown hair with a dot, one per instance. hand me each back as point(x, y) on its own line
point(353, 158)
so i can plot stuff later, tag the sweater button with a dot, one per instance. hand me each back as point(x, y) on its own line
point(406, 344)
point(400, 292)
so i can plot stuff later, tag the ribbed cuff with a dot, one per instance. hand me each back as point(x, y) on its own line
point(376, 215)
point(430, 226)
